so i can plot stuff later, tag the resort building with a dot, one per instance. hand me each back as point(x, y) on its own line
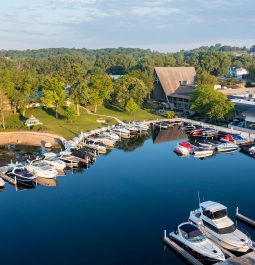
point(174, 85)
point(239, 73)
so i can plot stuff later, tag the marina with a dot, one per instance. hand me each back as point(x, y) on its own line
point(117, 178)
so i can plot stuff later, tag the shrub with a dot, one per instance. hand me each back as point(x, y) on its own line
point(170, 114)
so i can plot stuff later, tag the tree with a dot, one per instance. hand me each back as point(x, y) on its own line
point(207, 79)
point(80, 94)
point(53, 93)
point(70, 113)
point(128, 87)
point(131, 107)
point(101, 87)
point(211, 103)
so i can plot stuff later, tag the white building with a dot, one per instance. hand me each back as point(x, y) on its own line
point(239, 73)
point(32, 121)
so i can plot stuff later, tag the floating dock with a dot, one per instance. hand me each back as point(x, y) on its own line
point(231, 259)
point(244, 219)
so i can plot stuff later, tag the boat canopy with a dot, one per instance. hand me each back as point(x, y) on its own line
point(212, 206)
point(190, 230)
point(187, 145)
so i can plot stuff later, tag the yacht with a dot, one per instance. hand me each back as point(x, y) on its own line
point(41, 169)
point(191, 238)
point(54, 160)
point(20, 173)
point(213, 220)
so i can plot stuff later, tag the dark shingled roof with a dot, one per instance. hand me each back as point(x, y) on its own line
point(170, 77)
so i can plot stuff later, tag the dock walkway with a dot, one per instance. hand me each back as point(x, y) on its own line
point(231, 259)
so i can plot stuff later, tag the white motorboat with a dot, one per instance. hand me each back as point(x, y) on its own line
point(54, 160)
point(108, 142)
point(183, 149)
point(96, 145)
point(191, 238)
point(121, 131)
point(141, 126)
point(20, 173)
point(41, 169)
point(226, 147)
point(132, 129)
point(110, 135)
point(202, 152)
point(2, 183)
point(213, 220)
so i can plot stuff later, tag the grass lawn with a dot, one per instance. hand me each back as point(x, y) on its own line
point(83, 123)
point(60, 126)
point(141, 115)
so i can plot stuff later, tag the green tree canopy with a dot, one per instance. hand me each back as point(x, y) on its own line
point(53, 93)
point(207, 79)
point(128, 87)
point(101, 87)
point(80, 94)
point(211, 103)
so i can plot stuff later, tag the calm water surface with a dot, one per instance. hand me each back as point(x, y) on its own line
point(115, 211)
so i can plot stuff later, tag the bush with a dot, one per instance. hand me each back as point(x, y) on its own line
point(170, 114)
point(70, 113)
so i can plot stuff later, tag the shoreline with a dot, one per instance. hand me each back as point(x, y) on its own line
point(30, 138)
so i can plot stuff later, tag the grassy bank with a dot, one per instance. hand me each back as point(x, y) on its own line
point(83, 123)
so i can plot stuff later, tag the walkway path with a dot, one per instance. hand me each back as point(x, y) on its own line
point(102, 115)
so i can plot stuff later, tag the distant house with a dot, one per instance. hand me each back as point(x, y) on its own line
point(115, 77)
point(32, 121)
point(239, 73)
point(174, 85)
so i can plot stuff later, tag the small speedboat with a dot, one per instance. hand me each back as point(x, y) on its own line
point(190, 238)
point(110, 135)
point(140, 126)
point(188, 129)
point(96, 145)
point(240, 139)
point(54, 160)
point(226, 147)
point(197, 133)
point(204, 143)
point(20, 173)
point(183, 149)
point(121, 131)
point(202, 152)
point(227, 138)
point(161, 125)
point(248, 149)
point(42, 169)
point(212, 218)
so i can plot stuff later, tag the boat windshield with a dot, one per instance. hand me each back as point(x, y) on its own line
point(192, 233)
point(220, 214)
point(227, 230)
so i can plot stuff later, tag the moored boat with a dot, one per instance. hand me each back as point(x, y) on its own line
point(192, 239)
point(41, 169)
point(202, 152)
point(20, 173)
point(213, 220)
point(2, 183)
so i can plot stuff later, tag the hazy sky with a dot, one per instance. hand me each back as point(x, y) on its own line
point(165, 25)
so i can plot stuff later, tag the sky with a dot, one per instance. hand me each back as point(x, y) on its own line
point(163, 25)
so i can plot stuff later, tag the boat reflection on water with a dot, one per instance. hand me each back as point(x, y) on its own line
point(47, 182)
point(132, 143)
point(20, 186)
point(168, 135)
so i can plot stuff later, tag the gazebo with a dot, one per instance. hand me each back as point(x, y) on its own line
point(32, 121)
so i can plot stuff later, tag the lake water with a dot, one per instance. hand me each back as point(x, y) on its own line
point(115, 211)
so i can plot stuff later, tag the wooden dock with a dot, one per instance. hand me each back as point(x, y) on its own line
point(231, 259)
point(247, 259)
point(180, 250)
point(3, 175)
point(244, 219)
